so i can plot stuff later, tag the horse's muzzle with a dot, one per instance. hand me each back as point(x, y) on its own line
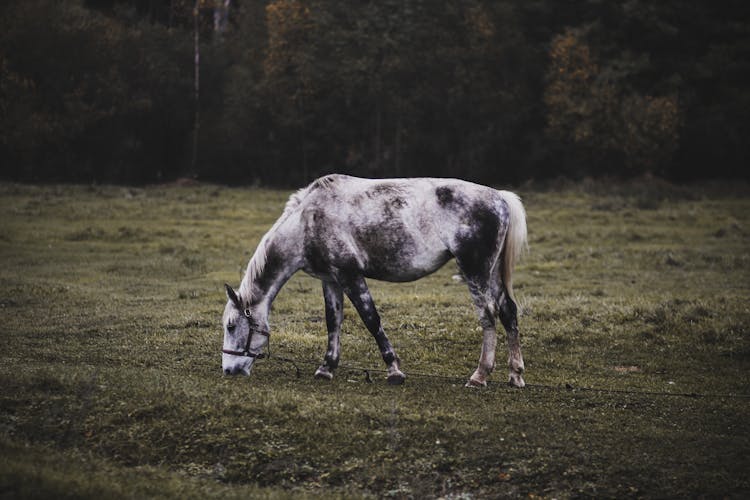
point(238, 369)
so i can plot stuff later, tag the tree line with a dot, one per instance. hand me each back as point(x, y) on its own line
point(279, 92)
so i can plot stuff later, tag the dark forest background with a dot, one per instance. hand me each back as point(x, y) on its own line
point(493, 91)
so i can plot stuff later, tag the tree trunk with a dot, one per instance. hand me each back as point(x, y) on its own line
point(379, 138)
point(397, 147)
point(221, 17)
point(197, 87)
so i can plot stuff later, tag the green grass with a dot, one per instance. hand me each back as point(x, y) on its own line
point(110, 380)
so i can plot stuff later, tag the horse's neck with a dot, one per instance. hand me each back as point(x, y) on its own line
point(274, 262)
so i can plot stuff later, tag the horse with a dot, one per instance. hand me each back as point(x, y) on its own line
point(344, 230)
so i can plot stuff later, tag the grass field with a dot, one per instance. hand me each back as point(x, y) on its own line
point(635, 332)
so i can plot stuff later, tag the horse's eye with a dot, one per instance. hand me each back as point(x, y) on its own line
point(230, 327)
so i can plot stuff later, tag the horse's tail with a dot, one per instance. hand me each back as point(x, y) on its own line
point(515, 239)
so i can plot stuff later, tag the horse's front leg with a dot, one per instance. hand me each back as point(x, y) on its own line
point(360, 297)
point(334, 302)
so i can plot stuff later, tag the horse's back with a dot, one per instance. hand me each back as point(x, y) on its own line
point(418, 192)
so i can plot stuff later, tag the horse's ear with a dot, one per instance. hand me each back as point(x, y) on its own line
point(231, 295)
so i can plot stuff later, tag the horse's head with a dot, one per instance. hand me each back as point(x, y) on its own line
point(244, 336)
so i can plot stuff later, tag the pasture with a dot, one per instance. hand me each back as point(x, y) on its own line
point(635, 331)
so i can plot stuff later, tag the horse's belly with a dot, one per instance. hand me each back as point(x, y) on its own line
point(400, 268)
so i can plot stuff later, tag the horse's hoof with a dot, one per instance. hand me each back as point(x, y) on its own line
point(516, 380)
point(396, 378)
point(473, 383)
point(324, 373)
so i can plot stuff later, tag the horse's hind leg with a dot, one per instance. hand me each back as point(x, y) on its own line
point(359, 294)
point(485, 305)
point(508, 313)
point(334, 301)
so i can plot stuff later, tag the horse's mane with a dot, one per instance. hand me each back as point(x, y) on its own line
point(258, 261)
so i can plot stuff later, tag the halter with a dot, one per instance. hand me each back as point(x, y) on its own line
point(253, 331)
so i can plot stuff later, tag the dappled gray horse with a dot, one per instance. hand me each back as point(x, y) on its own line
point(343, 229)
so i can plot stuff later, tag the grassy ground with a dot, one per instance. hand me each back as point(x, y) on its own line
point(110, 382)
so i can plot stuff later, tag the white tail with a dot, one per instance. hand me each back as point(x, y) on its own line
point(515, 239)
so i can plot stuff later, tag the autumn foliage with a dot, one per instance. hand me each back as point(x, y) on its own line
point(595, 114)
point(497, 92)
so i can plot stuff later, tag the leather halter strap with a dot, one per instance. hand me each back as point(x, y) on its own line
point(247, 352)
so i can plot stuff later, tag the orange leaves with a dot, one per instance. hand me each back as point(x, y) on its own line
point(480, 22)
point(571, 60)
point(595, 111)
